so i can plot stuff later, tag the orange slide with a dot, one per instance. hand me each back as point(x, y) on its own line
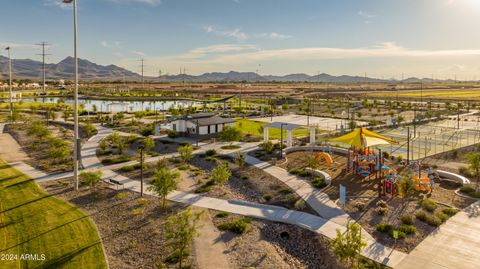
point(322, 155)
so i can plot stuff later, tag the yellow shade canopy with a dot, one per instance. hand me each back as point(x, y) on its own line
point(363, 138)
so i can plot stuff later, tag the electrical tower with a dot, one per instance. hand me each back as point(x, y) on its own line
point(143, 68)
point(43, 54)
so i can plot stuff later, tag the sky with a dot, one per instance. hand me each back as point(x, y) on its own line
point(379, 38)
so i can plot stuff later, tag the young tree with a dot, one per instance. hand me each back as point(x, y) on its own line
point(240, 158)
point(312, 162)
point(474, 164)
point(91, 178)
point(38, 129)
point(185, 152)
point(90, 129)
point(347, 246)
point(149, 143)
point(181, 229)
point(221, 173)
point(230, 134)
point(406, 186)
point(163, 182)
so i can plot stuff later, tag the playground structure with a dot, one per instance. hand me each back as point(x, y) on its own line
point(325, 157)
point(362, 159)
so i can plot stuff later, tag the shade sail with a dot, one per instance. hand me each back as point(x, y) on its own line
point(363, 138)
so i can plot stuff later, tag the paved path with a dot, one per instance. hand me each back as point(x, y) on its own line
point(454, 245)
point(318, 200)
point(313, 223)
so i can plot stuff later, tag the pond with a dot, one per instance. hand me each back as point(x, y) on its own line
point(119, 106)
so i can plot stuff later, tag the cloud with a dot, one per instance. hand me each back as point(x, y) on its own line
point(238, 34)
point(215, 50)
point(367, 17)
point(112, 45)
point(147, 2)
point(274, 36)
point(139, 53)
point(235, 33)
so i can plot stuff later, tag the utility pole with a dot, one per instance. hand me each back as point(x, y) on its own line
point(143, 68)
point(10, 83)
point(76, 151)
point(43, 54)
point(408, 145)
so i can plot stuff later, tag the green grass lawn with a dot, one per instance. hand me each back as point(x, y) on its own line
point(253, 128)
point(33, 222)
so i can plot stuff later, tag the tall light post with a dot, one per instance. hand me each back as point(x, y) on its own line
point(10, 82)
point(76, 151)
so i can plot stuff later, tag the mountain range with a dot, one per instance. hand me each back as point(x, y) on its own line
point(31, 69)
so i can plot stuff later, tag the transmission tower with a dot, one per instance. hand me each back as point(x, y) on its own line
point(43, 54)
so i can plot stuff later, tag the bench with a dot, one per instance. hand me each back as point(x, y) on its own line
point(112, 181)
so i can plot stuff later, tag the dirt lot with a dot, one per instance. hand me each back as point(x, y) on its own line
point(130, 241)
point(274, 245)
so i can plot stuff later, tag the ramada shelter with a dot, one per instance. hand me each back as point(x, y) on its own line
point(202, 124)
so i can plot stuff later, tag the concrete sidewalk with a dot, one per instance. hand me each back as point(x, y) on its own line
point(453, 245)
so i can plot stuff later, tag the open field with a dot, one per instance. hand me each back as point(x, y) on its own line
point(446, 93)
point(33, 222)
point(252, 127)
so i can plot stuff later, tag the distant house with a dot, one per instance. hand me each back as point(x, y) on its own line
point(202, 124)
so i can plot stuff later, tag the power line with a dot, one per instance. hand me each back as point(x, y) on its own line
point(43, 54)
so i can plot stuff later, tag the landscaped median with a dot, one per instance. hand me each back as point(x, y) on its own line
point(40, 231)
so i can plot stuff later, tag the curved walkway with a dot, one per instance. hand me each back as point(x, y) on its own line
point(332, 219)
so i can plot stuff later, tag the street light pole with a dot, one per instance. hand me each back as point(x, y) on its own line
point(10, 83)
point(76, 151)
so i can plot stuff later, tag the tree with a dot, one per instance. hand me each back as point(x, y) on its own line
point(90, 130)
point(474, 164)
point(230, 134)
point(149, 143)
point(94, 108)
point(163, 182)
point(221, 173)
point(180, 230)
point(91, 178)
point(406, 186)
point(347, 246)
point(240, 158)
point(185, 152)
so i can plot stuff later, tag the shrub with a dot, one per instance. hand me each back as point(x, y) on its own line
point(295, 171)
point(121, 195)
point(383, 227)
point(450, 211)
point(245, 177)
point(304, 173)
point(401, 235)
point(148, 130)
point(128, 168)
point(203, 189)
point(467, 189)
point(183, 167)
point(442, 216)
point(285, 191)
point(267, 197)
point(221, 173)
point(319, 183)
point(222, 214)
point(382, 203)
point(407, 219)
point(421, 215)
point(173, 134)
point(238, 226)
point(142, 202)
point(211, 159)
point(299, 204)
point(175, 257)
point(464, 171)
point(211, 152)
point(137, 211)
point(382, 211)
point(360, 206)
point(433, 221)
point(183, 144)
point(407, 229)
point(428, 205)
